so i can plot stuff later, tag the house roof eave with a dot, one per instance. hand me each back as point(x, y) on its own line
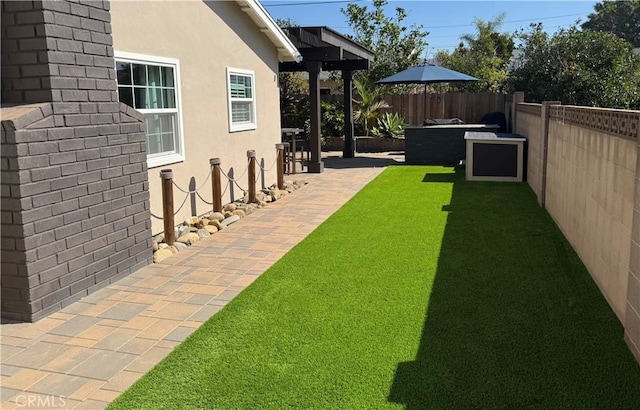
point(287, 52)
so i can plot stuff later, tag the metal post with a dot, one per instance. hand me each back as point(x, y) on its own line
point(167, 209)
point(280, 165)
point(216, 189)
point(251, 154)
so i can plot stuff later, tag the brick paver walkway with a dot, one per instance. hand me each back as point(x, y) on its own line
point(84, 356)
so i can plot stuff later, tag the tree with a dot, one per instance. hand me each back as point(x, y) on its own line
point(370, 102)
point(576, 67)
point(619, 17)
point(294, 92)
point(396, 45)
point(294, 99)
point(484, 55)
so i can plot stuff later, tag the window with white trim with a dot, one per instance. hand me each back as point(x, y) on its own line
point(151, 85)
point(242, 99)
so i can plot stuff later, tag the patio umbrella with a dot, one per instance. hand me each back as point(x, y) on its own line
point(426, 74)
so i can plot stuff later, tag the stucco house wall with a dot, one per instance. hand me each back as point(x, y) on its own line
point(226, 37)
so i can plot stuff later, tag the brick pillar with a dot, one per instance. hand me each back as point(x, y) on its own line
point(632, 315)
point(75, 202)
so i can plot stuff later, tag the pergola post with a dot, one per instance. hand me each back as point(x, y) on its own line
point(349, 146)
point(314, 68)
point(322, 48)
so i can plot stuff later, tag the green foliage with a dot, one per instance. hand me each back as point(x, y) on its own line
point(580, 68)
point(294, 99)
point(389, 126)
point(396, 45)
point(332, 119)
point(294, 93)
point(484, 55)
point(369, 102)
point(619, 17)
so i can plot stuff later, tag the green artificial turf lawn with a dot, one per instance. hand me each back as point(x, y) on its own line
point(423, 291)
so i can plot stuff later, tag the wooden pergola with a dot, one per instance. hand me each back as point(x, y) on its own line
point(323, 48)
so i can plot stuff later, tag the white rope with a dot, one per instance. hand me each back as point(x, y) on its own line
point(180, 189)
point(183, 202)
point(204, 200)
point(194, 191)
point(272, 164)
point(235, 180)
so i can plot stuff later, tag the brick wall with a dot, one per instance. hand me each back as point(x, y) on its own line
point(75, 202)
point(57, 51)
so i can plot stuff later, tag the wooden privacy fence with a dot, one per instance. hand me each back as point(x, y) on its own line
point(215, 174)
point(469, 107)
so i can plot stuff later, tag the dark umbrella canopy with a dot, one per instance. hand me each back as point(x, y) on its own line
point(426, 74)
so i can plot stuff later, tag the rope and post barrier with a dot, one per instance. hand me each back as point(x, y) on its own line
point(280, 162)
point(167, 210)
point(251, 154)
point(216, 173)
point(216, 185)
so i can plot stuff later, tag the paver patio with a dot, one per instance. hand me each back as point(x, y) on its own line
point(85, 355)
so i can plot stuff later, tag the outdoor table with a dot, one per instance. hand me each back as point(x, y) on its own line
point(291, 133)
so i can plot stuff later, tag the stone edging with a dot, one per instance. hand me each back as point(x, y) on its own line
point(196, 228)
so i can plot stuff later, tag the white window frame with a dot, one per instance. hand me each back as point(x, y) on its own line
point(242, 127)
point(158, 160)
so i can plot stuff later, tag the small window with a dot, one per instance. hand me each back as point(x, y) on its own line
point(242, 103)
point(150, 85)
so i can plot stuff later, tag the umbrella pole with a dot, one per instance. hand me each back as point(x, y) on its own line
point(424, 114)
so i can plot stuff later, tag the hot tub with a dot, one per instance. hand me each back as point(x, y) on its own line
point(439, 144)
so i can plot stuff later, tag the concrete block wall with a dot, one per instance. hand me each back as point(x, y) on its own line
point(591, 171)
point(75, 201)
point(591, 187)
point(632, 318)
point(529, 124)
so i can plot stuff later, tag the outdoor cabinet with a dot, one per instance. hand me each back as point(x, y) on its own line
point(494, 156)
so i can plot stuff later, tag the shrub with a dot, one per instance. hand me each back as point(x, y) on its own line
point(389, 126)
point(332, 119)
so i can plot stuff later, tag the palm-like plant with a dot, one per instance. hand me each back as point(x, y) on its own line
point(370, 102)
point(389, 126)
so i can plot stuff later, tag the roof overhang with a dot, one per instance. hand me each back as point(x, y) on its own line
point(325, 45)
point(287, 52)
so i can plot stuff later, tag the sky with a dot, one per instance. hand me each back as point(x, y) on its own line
point(445, 21)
